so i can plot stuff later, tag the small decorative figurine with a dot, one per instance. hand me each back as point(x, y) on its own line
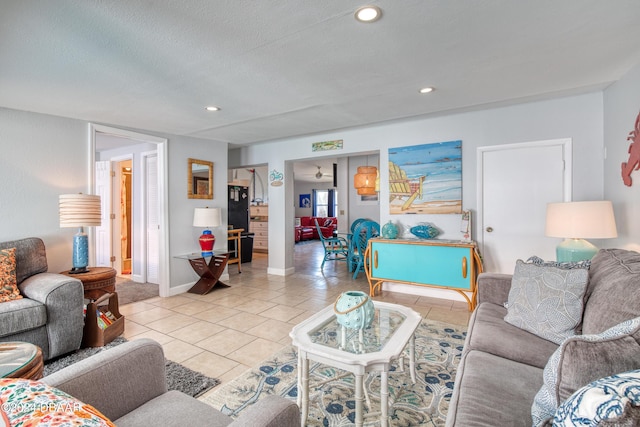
point(389, 230)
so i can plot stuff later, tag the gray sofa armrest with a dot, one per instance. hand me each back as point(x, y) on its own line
point(63, 298)
point(272, 411)
point(117, 380)
point(493, 288)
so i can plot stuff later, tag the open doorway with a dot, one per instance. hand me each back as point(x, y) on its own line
point(130, 177)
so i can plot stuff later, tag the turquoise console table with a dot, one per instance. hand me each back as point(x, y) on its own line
point(446, 264)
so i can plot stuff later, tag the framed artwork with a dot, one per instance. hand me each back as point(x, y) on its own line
point(200, 179)
point(305, 200)
point(327, 145)
point(367, 200)
point(426, 179)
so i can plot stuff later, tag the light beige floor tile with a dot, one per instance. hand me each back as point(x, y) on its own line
point(254, 352)
point(272, 329)
point(193, 307)
point(197, 332)
point(299, 318)
point(290, 300)
point(179, 351)
point(170, 302)
point(455, 317)
point(132, 328)
point(216, 313)
point(282, 312)
point(242, 321)
point(149, 316)
point(255, 306)
point(233, 373)
point(435, 302)
point(135, 307)
point(171, 323)
point(225, 342)
point(210, 364)
point(155, 335)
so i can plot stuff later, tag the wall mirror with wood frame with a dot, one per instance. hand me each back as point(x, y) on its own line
point(200, 179)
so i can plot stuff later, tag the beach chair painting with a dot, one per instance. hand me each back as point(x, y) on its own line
point(426, 179)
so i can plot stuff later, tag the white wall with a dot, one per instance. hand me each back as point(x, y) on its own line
point(44, 156)
point(576, 117)
point(621, 108)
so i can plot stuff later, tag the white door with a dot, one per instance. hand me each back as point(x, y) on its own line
point(516, 182)
point(103, 233)
point(152, 219)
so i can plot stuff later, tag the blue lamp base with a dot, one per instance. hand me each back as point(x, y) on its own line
point(571, 250)
point(80, 252)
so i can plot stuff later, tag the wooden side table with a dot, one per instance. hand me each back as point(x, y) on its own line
point(99, 285)
point(209, 272)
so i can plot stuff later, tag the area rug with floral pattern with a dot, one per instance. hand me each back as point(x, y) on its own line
point(331, 401)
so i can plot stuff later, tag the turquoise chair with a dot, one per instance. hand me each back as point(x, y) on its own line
point(364, 231)
point(335, 248)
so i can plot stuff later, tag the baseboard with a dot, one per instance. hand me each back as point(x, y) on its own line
point(281, 271)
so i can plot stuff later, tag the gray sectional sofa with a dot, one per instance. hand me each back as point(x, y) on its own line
point(50, 312)
point(127, 384)
point(504, 368)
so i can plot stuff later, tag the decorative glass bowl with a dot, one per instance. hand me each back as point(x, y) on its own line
point(425, 231)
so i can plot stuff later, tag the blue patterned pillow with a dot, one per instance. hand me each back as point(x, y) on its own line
point(606, 399)
point(546, 300)
point(566, 265)
point(548, 397)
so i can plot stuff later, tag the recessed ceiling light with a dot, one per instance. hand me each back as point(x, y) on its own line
point(426, 90)
point(368, 14)
point(212, 108)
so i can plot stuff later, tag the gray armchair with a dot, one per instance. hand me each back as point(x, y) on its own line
point(50, 313)
point(127, 384)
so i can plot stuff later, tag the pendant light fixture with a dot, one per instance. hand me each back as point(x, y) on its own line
point(365, 180)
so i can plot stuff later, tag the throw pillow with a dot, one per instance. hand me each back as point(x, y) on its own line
point(8, 284)
point(566, 265)
point(582, 359)
point(33, 403)
point(546, 300)
point(608, 399)
point(328, 222)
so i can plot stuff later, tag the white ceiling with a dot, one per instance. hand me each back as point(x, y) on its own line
point(285, 68)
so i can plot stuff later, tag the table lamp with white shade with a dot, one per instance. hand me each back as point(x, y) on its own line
point(576, 221)
point(80, 210)
point(206, 218)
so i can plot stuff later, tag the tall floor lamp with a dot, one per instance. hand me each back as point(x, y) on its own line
point(576, 221)
point(80, 210)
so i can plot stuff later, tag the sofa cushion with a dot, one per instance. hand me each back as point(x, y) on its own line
point(614, 277)
point(582, 359)
point(8, 285)
point(487, 323)
point(492, 391)
point(546, 300)
point(613, 399)
point(21, 315)
point(174, 408)
point(31, 257)
point(28, 402)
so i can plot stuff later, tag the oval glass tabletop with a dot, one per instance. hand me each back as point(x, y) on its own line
point(15, 355)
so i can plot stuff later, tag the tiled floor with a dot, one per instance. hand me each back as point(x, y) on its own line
point(226, 332)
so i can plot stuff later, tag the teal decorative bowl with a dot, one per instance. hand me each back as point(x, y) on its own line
point(354, 310)
point(425, 231)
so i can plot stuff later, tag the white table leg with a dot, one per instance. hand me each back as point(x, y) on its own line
point(412, 358)
point(299, 399)
point(384, 398)
point(305, 391)
point(359, 400)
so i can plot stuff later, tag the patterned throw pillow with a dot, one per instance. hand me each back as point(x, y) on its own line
point(328, 222)
point(546, 300)
point(566, 265)
point(33, 403)
point(8, 284)
point(606, 399)
point(583, 358)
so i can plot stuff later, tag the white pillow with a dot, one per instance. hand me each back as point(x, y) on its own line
point(606, 399)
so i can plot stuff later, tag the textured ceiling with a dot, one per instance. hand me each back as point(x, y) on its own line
point(284, 68)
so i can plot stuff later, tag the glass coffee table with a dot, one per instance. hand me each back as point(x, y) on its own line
point(322, 339)
point(20, 360)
